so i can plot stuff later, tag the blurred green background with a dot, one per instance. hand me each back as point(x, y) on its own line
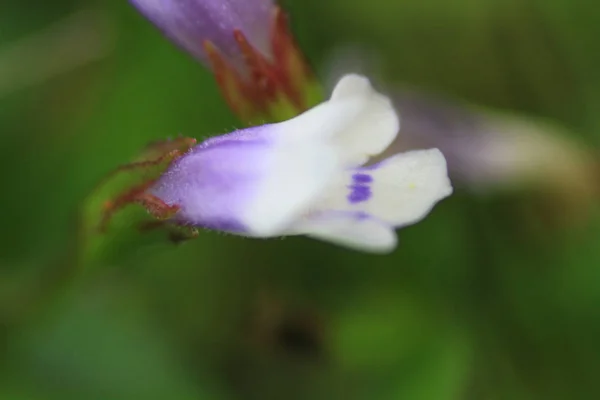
point(493, 296)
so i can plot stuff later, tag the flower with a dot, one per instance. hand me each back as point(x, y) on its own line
point(247, 44)
point(308, 176)
point(487, 150)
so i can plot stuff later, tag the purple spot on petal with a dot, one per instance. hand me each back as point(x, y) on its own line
point(362, 178)
point(359, 193)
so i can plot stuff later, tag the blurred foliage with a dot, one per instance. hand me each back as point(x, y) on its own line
point(485, 299)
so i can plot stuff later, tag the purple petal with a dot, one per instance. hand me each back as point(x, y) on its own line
point(212, 184)
point(189, 23)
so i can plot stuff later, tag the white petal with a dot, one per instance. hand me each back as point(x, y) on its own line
point(372, 130)
point(297, 175)
point(358, 120)
point(312, 149)
point(356, 231)
point(400, 190)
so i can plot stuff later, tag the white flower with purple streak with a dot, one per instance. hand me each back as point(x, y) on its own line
point(307, 176)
